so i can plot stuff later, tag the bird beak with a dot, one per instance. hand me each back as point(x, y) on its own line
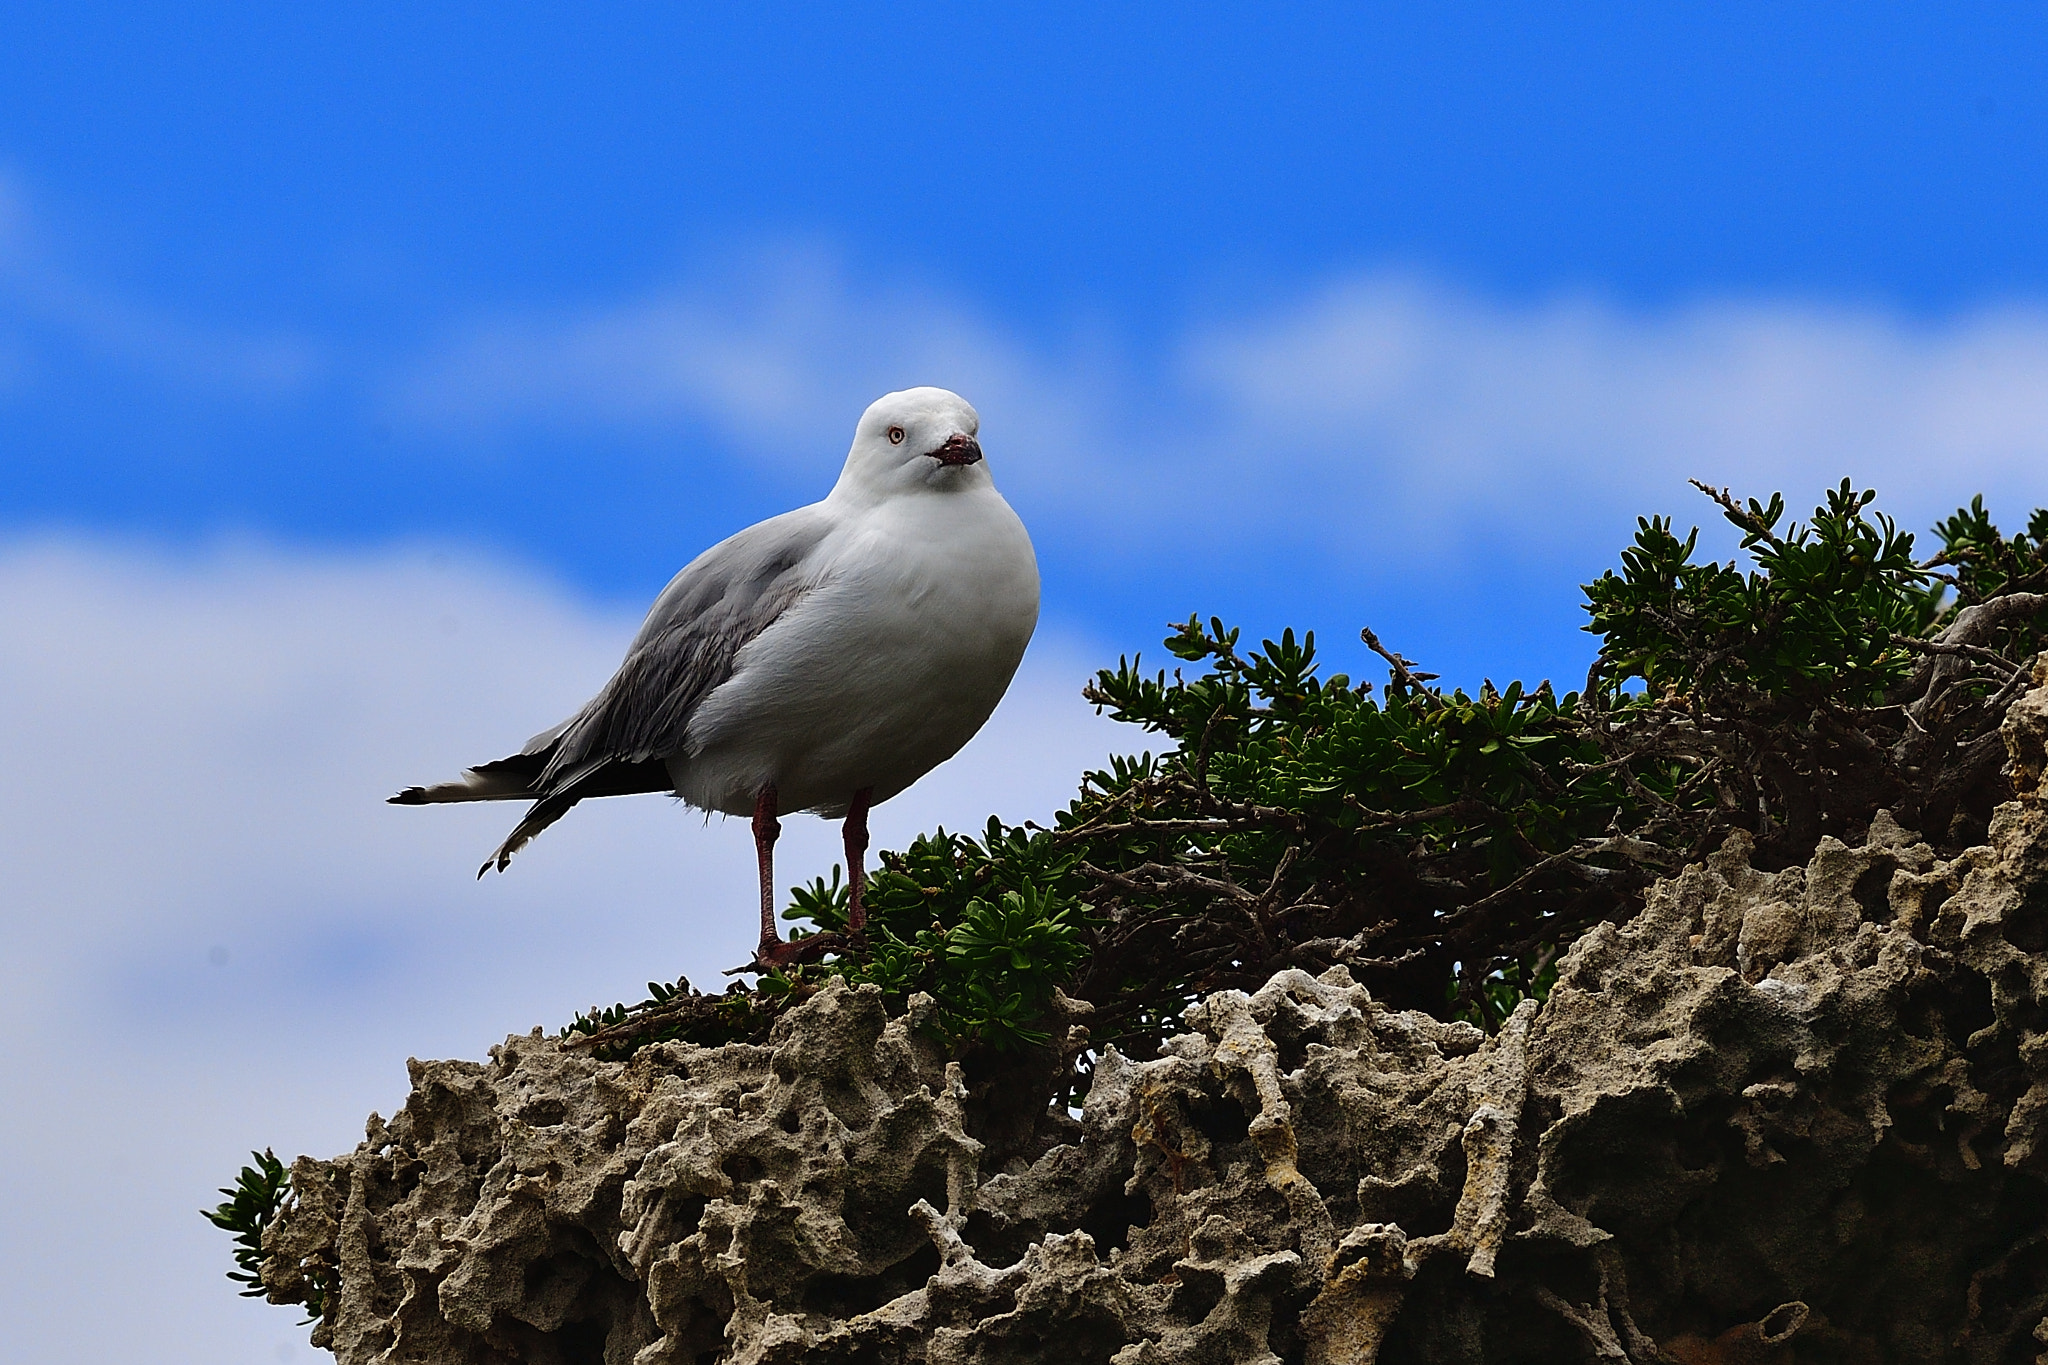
point(960, 448)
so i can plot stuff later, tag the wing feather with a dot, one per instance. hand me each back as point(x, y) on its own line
point(725, 598)
point(620, 741)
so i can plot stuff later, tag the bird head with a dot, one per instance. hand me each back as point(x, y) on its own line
point(915, 440)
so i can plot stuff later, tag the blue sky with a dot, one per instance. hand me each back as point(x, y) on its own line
point(235, 237)
point(363, 372)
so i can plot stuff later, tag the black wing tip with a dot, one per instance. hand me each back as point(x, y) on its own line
point(411, 796)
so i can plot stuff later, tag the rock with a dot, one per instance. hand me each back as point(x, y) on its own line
point(1798, 1115)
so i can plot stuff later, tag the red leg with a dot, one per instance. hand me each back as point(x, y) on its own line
point(766, 830)
point(856, 832)
point(774, 954)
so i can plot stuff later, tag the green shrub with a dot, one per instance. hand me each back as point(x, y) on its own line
point(1447, 845)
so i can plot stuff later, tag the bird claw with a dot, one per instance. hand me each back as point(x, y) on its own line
point(777, 955)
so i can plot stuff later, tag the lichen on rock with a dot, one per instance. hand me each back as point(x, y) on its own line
point(1794, 1114)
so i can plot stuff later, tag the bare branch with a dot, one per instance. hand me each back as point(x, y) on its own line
point(1405, 679)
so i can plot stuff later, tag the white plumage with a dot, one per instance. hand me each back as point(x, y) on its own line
point(822, 660)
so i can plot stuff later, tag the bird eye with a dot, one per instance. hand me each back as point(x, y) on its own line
point(895, 436)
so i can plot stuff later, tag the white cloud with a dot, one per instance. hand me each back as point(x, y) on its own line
point(1376, 405)
point(1461, 407)
point(215, 934)
point(778, 352)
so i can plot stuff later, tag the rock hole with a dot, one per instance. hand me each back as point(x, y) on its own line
point(847, 1296)
point(1091, 1337)
point(557, 1278)
point(1931, 902)
point(877, 1213)
point(742, 1169)
point(687, 1214)
point(573, 1343)
point(1917, 1112)
point(1112, 1217)
point(579, 1343)
point(928, 1182)
point(791, 1122)
point(1634, 1163)
point(995, 1246)
point(1291, 1034)
point(1782, 1322)
point(1969, 1008)
point(1429, 1318)
point(699, 1336)
point(1221, 1120)
point(1284, 1337)
point(1197, 1295)
point(544, 1113)
point(2027, 927)
point(1873, 891)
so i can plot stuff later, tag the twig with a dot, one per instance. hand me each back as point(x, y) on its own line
point(1380, 819)
point(1977, 652)
point(1737, 513)
point(1405, 679)
point(1272, 892)
point(644, 1021)
point(1202, 757)
point(1971, 624)
point(1136, 825)
point(1635, 850)
point(1166, 875)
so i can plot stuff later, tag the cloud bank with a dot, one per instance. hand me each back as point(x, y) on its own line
point(214, 933)
point(1454, 405)
point(776, 352)
point(1373, 404)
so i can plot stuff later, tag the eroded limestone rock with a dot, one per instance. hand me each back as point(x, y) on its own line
point(1799, 1115)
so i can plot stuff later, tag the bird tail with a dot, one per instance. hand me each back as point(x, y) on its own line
point(529, 776)
point(504, 779)
point(539, 816)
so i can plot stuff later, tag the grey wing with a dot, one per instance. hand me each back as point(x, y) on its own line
point(620, 741)
point(723, 599)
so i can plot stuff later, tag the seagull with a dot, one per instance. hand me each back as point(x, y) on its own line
point(822, 660)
